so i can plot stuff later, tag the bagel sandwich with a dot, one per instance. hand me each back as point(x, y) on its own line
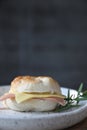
point(33, 93)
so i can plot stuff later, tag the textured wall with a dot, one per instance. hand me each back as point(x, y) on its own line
point(44, 38)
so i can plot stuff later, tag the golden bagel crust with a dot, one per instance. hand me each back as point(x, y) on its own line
point(16, 81)
point(35, 84)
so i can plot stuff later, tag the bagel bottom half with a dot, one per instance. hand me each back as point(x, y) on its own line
point(32, 105)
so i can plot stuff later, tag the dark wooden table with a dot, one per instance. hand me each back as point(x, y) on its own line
point(80, 126)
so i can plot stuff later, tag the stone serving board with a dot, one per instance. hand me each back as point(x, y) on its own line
point(13, 120)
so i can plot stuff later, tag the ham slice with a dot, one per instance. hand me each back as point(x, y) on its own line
point(6, 96)
point(58, 100)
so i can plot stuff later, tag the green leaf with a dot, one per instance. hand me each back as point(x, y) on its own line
point(84, 94)
point(79, 92)
point(66, 107)
point(68, 96)
point(80, 89)
point(81, 96)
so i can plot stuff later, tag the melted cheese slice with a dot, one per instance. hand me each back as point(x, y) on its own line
point(20, 97)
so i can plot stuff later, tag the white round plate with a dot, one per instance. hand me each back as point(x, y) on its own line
point(13, 120)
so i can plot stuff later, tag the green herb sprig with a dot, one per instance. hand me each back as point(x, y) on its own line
point(72, 101)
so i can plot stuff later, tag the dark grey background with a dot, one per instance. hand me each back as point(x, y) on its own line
point(41, 37)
